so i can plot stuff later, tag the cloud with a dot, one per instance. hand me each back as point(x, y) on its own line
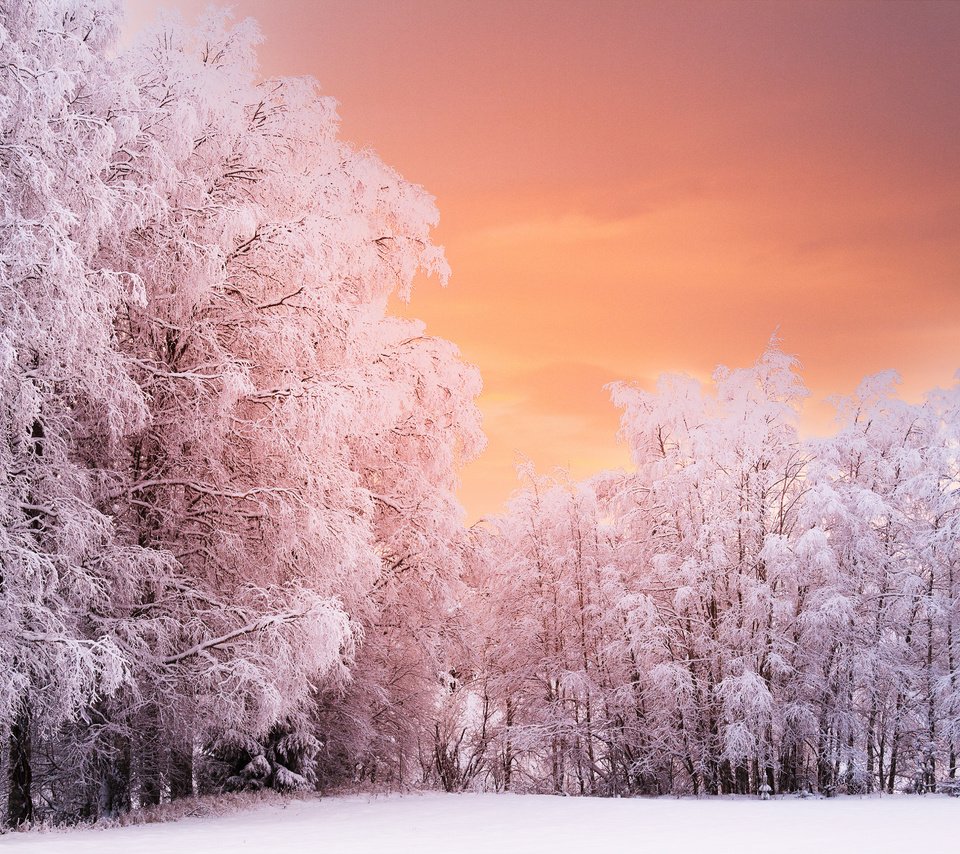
point(570, 228)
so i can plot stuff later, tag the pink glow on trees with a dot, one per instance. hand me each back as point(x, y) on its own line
point(761, 612)
point(232, 554)
point(426, 426)
point(62, 377)
point(284, 424)
point(222, 380)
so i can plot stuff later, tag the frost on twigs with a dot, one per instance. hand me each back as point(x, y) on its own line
point(745, 611)
point(224, 467)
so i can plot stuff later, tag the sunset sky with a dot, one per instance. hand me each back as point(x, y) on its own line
point(628, 188)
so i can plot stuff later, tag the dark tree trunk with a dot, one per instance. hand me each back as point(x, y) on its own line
point(19, 797)
point(115, 785)
point(881, 756)
point(892, 779)
point(871, 759)
point(181, 772)
point(150, 765)
point(20, 772)
point(508, 749)
point(895, 741)
point(824, 766)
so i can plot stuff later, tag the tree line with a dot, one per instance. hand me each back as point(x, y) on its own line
point(743, 612)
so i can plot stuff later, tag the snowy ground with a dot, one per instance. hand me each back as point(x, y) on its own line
point(497, 824)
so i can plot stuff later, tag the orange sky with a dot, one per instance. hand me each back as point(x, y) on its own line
point(627, 188)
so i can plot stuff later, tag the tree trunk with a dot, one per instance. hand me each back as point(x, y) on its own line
point(181, 772)
point(150, 776)
point(881, 755)
point(871, 759)
point(894, 746)
point(951, 669)
point(508, 749)
point(115, 786)
point(19, 796)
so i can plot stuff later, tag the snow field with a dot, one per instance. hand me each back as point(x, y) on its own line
point(432, 823)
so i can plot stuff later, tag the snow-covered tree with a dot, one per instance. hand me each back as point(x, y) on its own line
point(886, 488)
point(544, 673)
point(221, 452)
point(302, 447)
point(231, 554)
point(63, 383)
point(426, 425)
point(748, 612)
point(717, 481)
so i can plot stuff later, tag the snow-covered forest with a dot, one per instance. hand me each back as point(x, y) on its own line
point(231, 553)
point(743, 610)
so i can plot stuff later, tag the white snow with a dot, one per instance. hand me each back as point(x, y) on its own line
point(497, 824)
